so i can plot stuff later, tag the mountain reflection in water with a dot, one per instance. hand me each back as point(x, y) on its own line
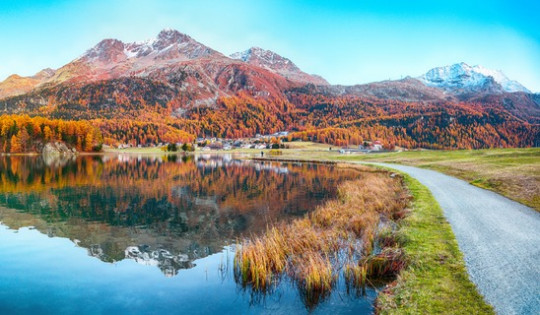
point(158, 211)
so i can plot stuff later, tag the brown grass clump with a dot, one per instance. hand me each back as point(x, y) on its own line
point(316, 278)
point(386, 264)
point(355, 275)
point(313, 250)
point(263, 259)
point(315, 272)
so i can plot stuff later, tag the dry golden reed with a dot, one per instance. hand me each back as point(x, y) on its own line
point(336, 237)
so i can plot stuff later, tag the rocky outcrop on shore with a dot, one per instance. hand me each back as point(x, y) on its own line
point(57, 154)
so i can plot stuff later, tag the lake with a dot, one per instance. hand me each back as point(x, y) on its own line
point(155, 234)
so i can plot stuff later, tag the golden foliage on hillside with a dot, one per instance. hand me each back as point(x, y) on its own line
point(140, 111)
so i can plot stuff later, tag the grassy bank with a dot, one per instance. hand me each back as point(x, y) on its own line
point(435, 280)
point(421, 249)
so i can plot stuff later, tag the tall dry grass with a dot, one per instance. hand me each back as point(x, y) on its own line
point(337, 237)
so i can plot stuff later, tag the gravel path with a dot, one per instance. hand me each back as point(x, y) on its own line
point(499, 238)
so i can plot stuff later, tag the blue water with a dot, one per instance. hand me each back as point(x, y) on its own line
point(40, 274)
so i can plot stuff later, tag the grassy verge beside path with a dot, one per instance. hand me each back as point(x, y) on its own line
point(436, 280)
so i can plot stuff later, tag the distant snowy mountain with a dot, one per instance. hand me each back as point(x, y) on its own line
point(462, 78)
point(269, 60)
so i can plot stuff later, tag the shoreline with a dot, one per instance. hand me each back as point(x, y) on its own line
point(426, 236)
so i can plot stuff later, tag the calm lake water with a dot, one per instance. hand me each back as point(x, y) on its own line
point(129, 234)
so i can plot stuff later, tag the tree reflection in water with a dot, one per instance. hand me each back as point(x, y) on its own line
point(159, 211)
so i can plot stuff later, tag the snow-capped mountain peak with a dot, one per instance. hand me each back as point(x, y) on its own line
point(465, 78)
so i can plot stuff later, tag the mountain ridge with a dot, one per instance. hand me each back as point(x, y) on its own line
point(171, 49)
point(158, 58)
point(173, 88)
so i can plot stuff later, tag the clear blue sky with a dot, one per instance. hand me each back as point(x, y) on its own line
point(346, 42)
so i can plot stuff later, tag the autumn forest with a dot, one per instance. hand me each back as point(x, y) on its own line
point(139, 111)
point(21, 133)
